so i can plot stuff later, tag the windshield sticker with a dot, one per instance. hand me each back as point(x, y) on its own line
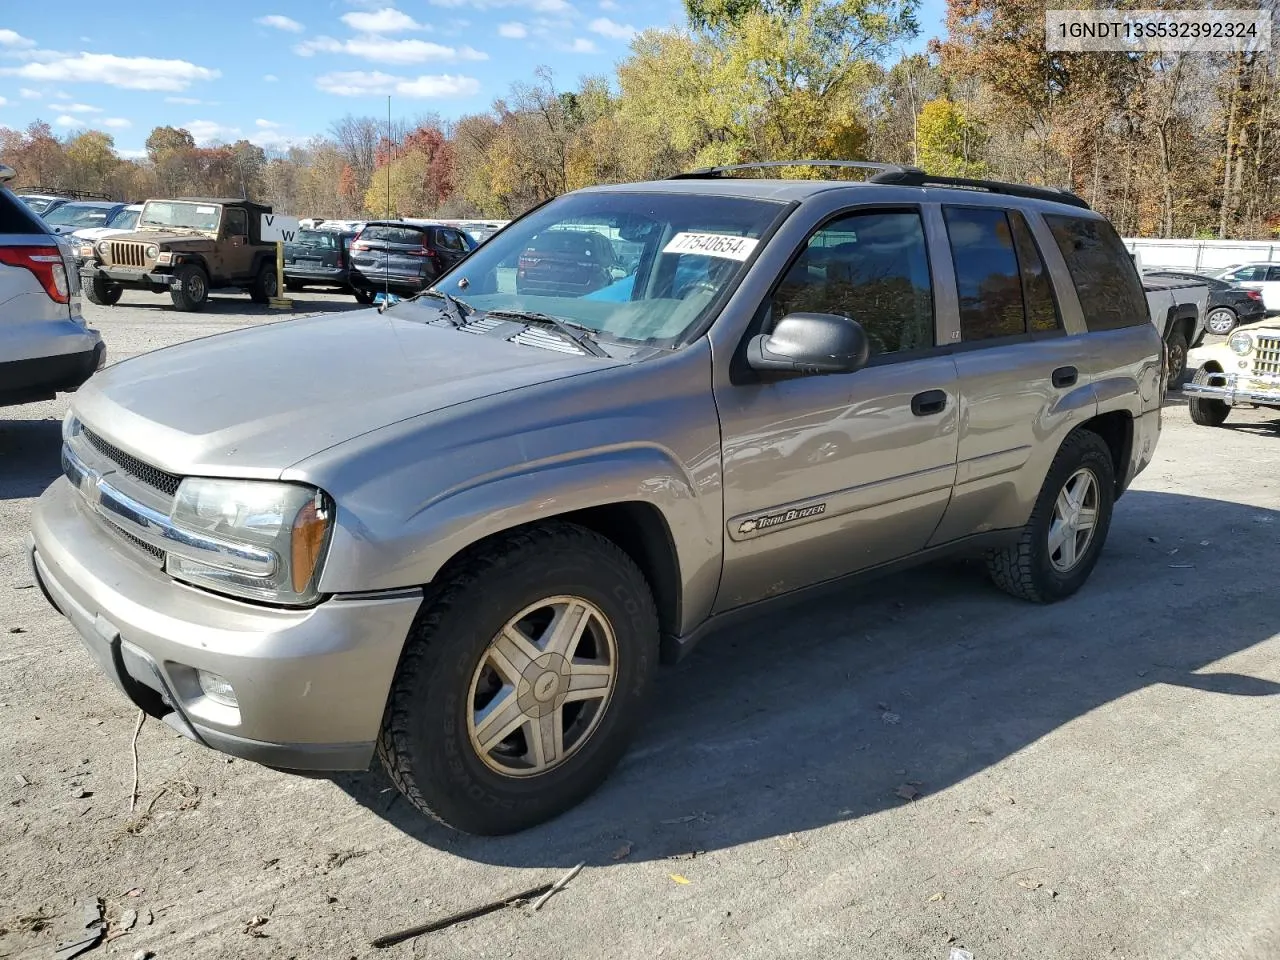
point(206, 209)
point(712, 245)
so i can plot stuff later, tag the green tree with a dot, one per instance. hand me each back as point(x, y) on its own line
point(92, 160)
point(949, 144)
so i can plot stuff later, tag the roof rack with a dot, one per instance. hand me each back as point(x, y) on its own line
point(910, 177)
point(707, 173)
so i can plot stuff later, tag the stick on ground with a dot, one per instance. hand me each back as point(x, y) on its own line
point(391, 939)
point(558, 885)
point(133, 797)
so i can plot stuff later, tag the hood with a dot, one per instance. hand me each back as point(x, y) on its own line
point(94, 234)
point(186, 239)
point(252, 403)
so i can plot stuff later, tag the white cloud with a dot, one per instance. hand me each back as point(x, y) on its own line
point(270, 78)
point(580, 45)
point(205, 131)
point(189, 101)
point(609, 5)
point(268, 139)
point(513, 31)
point(279, 22)
point(129, 73)
point(540, 6)
point(10, 38)
point(28, 94)
point(66, 121)
point(117, 123)
point(358, 83)
point(386, 20)
point(609, 28)
point(75, 108)
point(130, 154)
point(389, 51)
point(266, 124)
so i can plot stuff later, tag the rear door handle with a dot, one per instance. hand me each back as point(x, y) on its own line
point(1065, 377)
point(928, 403)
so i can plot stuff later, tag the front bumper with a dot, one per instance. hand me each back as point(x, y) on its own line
point(1260, 390)
point(311, 684)
point(127, 276)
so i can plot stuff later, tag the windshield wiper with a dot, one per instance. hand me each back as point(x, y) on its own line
point(574, 332)
point(456, 311)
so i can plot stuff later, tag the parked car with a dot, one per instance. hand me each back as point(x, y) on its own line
point(1177, 309)
point(567, 261)
point(185, 248)
point(122, 221)
point(318, 257)
point(1243, 371)
point(403, 257)
point(46, 347)
point(1262, 276)
point(1228, 305)
point(43, 201)
point(79, 214)
point(461, 533)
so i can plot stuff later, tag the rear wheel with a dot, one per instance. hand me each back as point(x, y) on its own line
point(1206, 411)
point(1061, 542)
point(1177, 342)
point(190, 287)
point(1221, 321)
point(264, 286)
point(521, 682)
point(103, 292)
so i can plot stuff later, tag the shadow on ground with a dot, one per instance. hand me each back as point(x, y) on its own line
point(30, 452)
point(819, 714)
point(240, 305)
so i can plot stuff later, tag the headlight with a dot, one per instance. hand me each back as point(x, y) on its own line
point(152, 252)
point(102, 247)
point(1241, 344)
point(70, 426)
point(274, 537)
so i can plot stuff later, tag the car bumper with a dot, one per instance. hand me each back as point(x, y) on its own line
point(42, 378)
point(311, 685)
point(395, 282)
point(126, 275)
point(335, 275)
point(1228, 387)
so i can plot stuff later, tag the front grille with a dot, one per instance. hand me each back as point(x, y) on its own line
point(154, 477)
point(142, 545)
point(1266, 357)
point(127, 254)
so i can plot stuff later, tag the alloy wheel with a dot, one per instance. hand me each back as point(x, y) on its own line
point(1075, 516)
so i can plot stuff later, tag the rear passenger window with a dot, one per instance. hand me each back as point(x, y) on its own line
point(1273, 274)
point(872, 267)
point(987, 276)
point(1037, 289)
point(1105, 278)
point(15, 217)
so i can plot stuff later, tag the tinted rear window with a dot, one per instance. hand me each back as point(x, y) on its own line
point(1105, 278)
point(389, 234)
point(318, 239)
point(987, 277)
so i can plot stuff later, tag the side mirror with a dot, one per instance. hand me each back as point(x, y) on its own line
point(810, 343)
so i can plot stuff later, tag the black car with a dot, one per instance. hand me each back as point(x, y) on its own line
point(1229, 305)
point(318, 258)
point(403, 257)
point(567, 263)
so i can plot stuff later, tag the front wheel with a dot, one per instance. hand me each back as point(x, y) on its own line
point(522, 680)
point(103, 292)
point(190, 288)
point(1061, 542)
point(1221, 321)
point(264, 287)
point(1206, 411)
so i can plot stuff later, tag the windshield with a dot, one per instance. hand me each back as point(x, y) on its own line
point(38, 204)
point(78, 215)
point(642, 267)
point(179, 214)
point(126, 219)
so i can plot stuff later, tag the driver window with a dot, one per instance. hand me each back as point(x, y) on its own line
point(872, 267)
point(237, 223)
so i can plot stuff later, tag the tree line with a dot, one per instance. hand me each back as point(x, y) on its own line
point(1166, 145)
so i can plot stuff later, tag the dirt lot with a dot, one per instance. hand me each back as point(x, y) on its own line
point(1100, 778)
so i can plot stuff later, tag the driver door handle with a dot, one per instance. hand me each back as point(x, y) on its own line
point(928, 403)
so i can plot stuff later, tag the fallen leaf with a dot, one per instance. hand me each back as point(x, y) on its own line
point(938, 897)
point(1030, 884)
point(254, 927)
point(1053, 894)
point(17, 629)
point(135, 892)
point(622, 852)
point(907, 792)
point(1204, 543)
point(683, 881)
point(128, 919)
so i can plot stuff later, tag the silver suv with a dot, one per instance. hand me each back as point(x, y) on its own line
point(462, 531)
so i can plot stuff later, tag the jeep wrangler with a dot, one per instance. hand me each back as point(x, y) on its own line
point(458, 534)
point(186, 247)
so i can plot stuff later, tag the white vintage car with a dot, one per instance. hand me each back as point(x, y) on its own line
point(1243, 371)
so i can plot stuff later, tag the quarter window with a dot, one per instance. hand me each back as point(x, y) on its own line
point(237, 223)
point(1105, 278)
point(987, 275)
point(872, 267)
point(1037, 288)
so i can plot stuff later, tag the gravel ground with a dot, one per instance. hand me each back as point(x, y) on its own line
point(1100, 778)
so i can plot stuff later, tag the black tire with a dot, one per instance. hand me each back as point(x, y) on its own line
point(1025, 569)
point(264, 287)
point(190, 288)
point(1178, 348)
point(363, 296)
point(293, 286)
point(1224, 319)
point(424, 743)
point(1206, 411)
point(103, 292)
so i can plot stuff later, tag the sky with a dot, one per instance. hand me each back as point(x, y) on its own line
point(280, 71)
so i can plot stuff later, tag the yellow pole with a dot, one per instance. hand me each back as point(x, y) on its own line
point(279, 301)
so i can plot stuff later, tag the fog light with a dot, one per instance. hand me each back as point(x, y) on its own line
point(217, 688)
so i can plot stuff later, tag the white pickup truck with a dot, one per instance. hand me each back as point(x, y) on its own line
point(1177, 309)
